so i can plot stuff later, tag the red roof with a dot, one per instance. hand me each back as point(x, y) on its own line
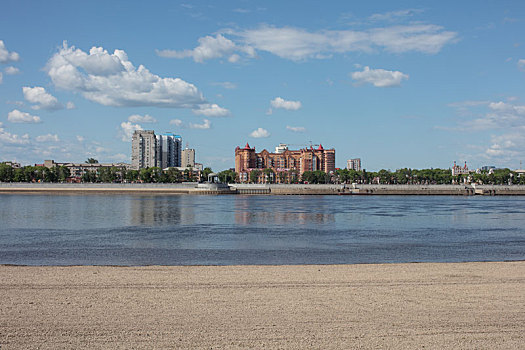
point(247, 146)
point(320, 148)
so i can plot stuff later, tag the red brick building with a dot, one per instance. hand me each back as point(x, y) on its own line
point(286, 166)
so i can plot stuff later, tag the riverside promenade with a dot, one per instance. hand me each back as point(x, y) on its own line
point(268, 189)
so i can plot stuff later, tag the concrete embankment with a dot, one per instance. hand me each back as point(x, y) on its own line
point(257, 189)
point(361, 189)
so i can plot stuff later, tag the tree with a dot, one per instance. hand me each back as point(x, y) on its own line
point(204, 174)
point(227, 176)
point(6, 173)
point(92, 161)
point(254, 176)
point(269, 175)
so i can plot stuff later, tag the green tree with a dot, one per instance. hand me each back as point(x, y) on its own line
point(204, 173)
point(254, 176)
point(92, 161)
point(269, 175)
point(227, 176)
point(6, 173)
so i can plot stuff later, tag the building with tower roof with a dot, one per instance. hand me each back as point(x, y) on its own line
point(284, 163)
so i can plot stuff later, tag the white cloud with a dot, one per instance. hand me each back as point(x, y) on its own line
point(298, 44)
point(379, 77)
point(15, 116)
point(70, 105)
point(281, 103)
point(6, 56)
point(260, 133)
point(176, 122)
point(127, 129)
point(296, 128)
point(112, 80)
point(211, 110)
point(80, 138)
point(205, 125)
point(521, 64)
point(135, 118)
point(12, 139)
point(41, 98)
point(504, 121)
point(209, 47)
point(47, 138)
point(1, 77)
point(11, 70)
point(225, 84)
point(394, 15)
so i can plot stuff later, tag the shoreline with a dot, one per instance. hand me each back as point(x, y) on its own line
point(469, 305)
point(258, 189)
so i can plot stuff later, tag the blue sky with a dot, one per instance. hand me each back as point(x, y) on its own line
point(398, 84)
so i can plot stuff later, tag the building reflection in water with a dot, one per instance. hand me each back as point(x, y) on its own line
point(280, 211)
point(161, 210)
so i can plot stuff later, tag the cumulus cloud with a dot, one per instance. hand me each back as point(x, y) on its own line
point(16, 116)
point(379, 77)
point(80, 138)
point(6, 56)
point(296, 128)
point(127, 129)
point(41, 98)
point(11, 70)
point(205, 125)
point(70, 105)
point(260, 133)
point(112, 80)
point(135, 118)
point(211, 110)
point(7, 138)
point(47, 138)
point(209, 47)
point(176, 122)
point(281, 103)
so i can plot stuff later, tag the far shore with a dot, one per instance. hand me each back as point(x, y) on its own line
point(268, 189)
point(477, 305)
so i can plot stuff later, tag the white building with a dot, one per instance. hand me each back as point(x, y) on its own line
point(188, 158)
point(150, 150)
point(168, 150)
point(354, 164)
point(281, 148)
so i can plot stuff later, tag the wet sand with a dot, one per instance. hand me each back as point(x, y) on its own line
point(409, 306)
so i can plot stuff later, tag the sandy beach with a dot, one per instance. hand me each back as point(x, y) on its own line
point(409, 306)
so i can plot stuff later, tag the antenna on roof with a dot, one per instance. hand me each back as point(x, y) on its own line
point(187, 144)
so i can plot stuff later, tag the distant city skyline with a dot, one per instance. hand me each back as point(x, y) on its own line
point(412, 85)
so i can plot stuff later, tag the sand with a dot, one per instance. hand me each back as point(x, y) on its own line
point(408, 306)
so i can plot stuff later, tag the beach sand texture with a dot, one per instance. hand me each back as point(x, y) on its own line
point(408, 306)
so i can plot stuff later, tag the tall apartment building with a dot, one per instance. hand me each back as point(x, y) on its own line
point(143, 149)
point(150, 150)
point(168, 150)
point(188, 158)
point(354, 164)
point(284, 161)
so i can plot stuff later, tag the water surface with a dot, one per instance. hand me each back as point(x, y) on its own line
point(230, 230)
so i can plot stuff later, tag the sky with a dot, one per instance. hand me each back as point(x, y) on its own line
point(417, 84)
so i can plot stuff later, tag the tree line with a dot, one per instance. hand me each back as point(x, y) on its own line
point(340, 176)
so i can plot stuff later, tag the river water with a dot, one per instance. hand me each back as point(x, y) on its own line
point(236, 229)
